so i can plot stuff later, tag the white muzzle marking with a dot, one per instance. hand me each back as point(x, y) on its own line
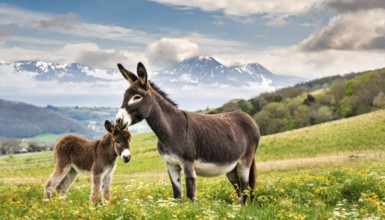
point(123, 116)
point(126, 153)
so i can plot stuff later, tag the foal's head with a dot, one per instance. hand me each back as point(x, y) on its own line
point(121, 138)
point(138, 99)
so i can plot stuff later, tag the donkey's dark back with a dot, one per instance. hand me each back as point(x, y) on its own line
point(223, 137)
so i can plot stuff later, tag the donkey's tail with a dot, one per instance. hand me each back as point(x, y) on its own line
point(252, 179)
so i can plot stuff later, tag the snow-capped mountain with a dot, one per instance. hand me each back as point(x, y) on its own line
point(207, 70)
point(73, 72)
point(193, 71)
point(194, 83)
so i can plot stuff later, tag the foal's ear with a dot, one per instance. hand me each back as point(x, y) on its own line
point(142, 73)
point(130, 77)
point(109, 126)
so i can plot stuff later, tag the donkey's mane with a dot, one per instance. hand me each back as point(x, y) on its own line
point(162, 93)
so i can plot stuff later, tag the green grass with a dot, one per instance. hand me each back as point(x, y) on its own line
point(342, 193)
point(47, 138)
point(347, 189)
point(360, 134)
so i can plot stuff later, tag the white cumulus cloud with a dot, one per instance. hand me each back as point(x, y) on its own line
point(362, 30)
point(247, 7)
point(168, 51)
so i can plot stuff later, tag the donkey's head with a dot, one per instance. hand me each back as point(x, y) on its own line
point(137, 102)
point(121, 138)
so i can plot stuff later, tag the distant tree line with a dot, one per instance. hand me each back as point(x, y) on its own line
point(314, 102)
point(85, 113)
point(17, 146)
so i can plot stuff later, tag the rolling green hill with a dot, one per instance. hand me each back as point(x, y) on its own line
point(141, 188)
point(314, 102)
point(356, 135)
point(20, 120)
point(360, 134)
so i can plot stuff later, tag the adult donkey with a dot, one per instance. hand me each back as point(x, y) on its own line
point(204, 145)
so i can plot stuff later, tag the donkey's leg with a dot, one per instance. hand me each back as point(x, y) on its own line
point(65, 184)
point(232, 176)
point(174, 174)
point(189, 173)
point(243, 172)
point(56, 177)
point(252, 179)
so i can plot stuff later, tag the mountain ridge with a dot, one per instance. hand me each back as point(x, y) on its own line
point(207, 70)
point(191, 71)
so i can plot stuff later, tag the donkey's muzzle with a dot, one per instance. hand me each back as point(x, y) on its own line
point(126, 158)
point(126, 155)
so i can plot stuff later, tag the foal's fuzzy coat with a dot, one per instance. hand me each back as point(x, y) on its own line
point(74, 154)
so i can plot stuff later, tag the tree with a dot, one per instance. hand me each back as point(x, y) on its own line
point(337, 90)
point(320, 114)
point(274, 117)
point(9, 146)
point(309, 100)
point(379, 100)
point(348, 106)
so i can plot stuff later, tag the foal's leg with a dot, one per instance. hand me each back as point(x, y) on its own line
point(106, 186)
point(232, 176)
point(174, 174)
point(65, 184)
point(96, 185)
point(56, 177)
point(189, 173)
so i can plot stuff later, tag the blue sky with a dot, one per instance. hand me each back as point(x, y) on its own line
point(311, 38)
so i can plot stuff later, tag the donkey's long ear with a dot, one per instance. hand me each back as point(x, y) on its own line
point(142, 73)
point(130, 77)
point(109, 126)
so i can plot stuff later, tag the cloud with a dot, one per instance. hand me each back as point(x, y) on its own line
point(293, 61)
point(246, 7)
point(90, 54)
point(4, 34)
point(85, 53)
point(169, 51)
point(362, 30)
point(277, 21)
point(354, 5)
point(109, 58)
point(278, 10)
point(68, 21)
point(70, 24)
point(19, 17)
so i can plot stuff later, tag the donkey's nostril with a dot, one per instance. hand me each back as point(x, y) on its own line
point(126, 158)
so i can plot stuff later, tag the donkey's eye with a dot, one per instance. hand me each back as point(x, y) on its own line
point(118, 142)
point(135, 98)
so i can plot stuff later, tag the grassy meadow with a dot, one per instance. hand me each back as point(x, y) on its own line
point(336, 188)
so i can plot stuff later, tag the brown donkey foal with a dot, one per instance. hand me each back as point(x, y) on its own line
point(74, 154)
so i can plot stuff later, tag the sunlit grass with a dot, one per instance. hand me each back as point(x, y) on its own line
point(342, 193)
point(47, 138)
point(360, 134)
point(336, 189)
